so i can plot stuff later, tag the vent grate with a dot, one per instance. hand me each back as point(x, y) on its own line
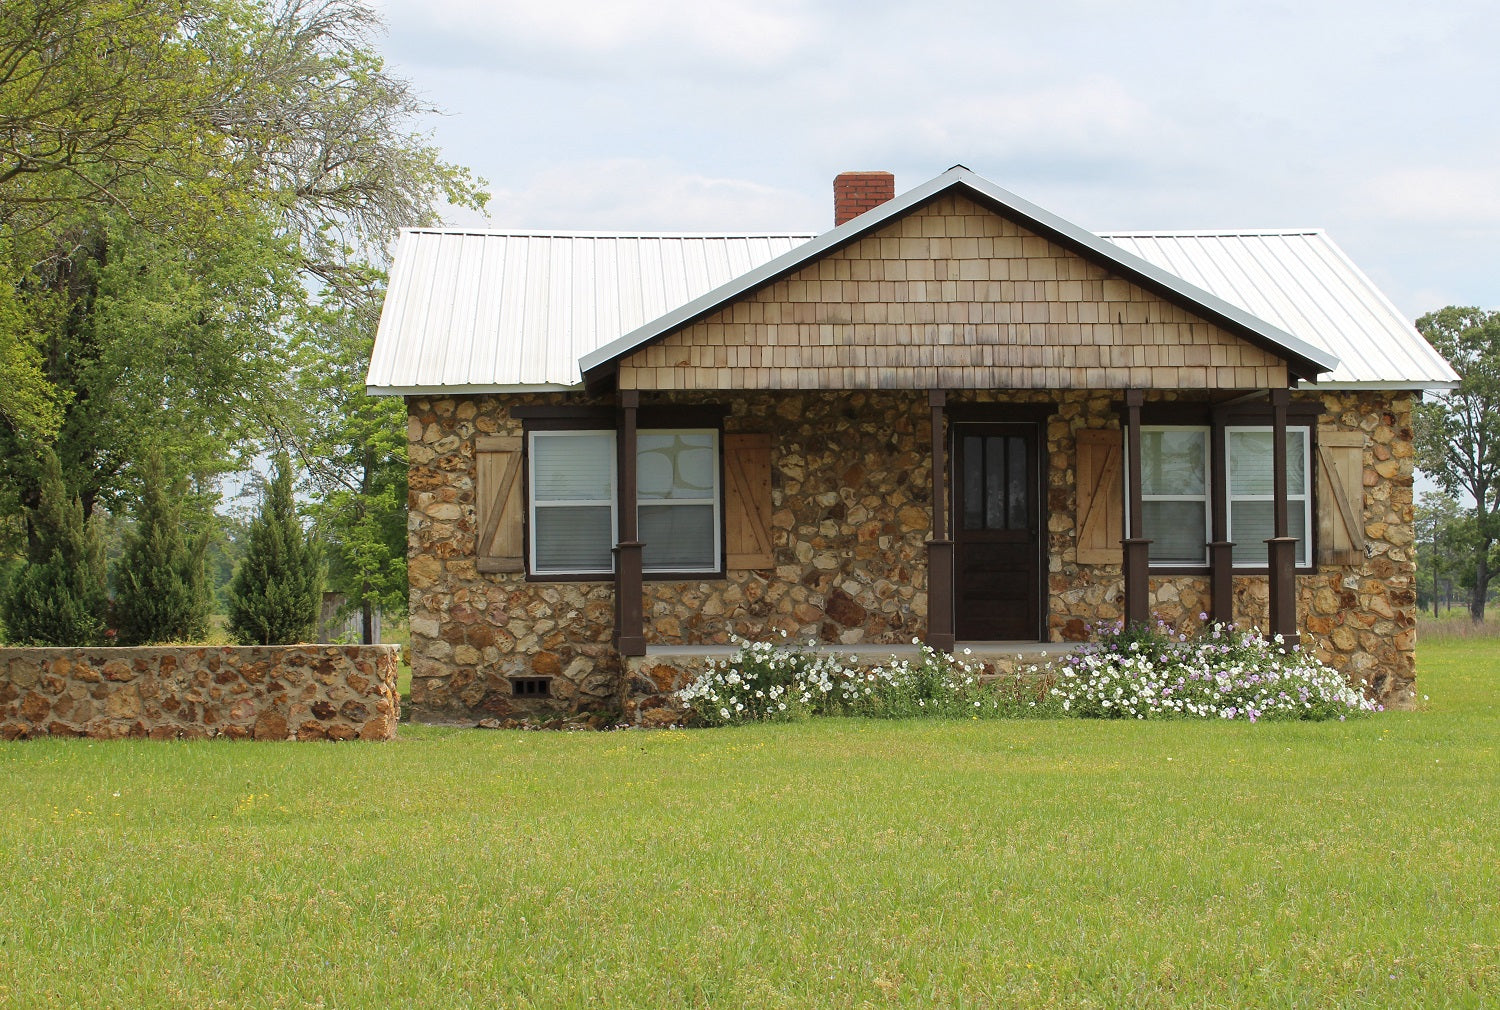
point(531, 687)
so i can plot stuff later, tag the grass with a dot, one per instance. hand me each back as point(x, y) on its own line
point(839, 863)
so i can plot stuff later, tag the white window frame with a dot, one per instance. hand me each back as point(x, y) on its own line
point(533, 505)
point(1302, 556)
point(716, 499)
point(1206, 497)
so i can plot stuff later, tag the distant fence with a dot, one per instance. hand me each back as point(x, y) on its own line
point(271, 692)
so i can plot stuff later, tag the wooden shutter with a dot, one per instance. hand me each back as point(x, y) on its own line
point(499, 507)
point(747, 501)
point(1341, 497)
point(1100, 504)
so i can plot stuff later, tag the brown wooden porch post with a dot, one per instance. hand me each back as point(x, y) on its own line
point(1220, 549)
point(940, 634)
point(1280, 548)
point(1137, 549)
point(630, 639)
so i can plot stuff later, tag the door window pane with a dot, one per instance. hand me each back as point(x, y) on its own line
point(1017, 518)
point(974, 511)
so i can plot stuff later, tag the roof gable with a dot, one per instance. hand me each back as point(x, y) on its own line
point(950, 295)
point(1302, 359)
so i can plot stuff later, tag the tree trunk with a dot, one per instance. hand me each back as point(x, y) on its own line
point(1481, 582)
point(366, 622)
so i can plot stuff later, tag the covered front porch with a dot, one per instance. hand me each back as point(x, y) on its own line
point(1039, 531)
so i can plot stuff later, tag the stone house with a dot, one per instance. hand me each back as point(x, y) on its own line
point(626, 449)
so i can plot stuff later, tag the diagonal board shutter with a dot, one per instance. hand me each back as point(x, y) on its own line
point(747, 501)
point(1341, 498)
point(1100, 504)
point(499, 510)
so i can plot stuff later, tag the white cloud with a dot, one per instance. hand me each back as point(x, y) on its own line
point(646, 36)
point(1435, 195)
point(628, 194)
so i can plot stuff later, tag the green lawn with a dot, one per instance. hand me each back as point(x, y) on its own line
point(838, 864)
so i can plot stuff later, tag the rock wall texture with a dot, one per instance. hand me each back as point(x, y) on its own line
point(850, 514)
point(281, 692)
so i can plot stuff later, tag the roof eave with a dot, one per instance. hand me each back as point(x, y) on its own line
point(470, 388)
point(1413, 385)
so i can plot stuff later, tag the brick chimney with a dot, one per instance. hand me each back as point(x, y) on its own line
point(856, 192)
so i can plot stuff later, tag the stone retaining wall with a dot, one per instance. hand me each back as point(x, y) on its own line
point(279, 692)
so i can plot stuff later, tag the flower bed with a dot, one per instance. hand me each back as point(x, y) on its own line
point(1137, 672)
point(765, 682)
point(1216, 672)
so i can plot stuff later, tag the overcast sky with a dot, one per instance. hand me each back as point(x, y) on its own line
point(1375, 120)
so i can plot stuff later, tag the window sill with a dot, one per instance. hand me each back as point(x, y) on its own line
point(610, 576)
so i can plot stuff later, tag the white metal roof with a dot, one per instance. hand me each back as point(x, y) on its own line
point(473, 311)
point(1301, 281)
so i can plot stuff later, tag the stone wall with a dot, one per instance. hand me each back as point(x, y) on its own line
point(282, 692)
point(1360, 620)
point(851, 513)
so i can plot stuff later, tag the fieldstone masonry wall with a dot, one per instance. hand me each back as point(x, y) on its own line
point(851, 513)
point(281, 692)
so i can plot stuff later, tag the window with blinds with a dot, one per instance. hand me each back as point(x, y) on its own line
point(572, 502)
point(1251, 499)
point(1177, 485)
point(1174, 494)
point(677, 487)
point(573, 482)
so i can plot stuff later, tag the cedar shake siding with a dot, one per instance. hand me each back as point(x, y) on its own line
point(951, 296)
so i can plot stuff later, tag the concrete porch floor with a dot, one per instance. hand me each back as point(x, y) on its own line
point(979, 652)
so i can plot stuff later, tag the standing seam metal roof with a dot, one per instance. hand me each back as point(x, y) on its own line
point(470, 310)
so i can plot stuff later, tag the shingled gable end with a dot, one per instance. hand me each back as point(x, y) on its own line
point(754, 430)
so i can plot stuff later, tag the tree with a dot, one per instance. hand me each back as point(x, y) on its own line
point(59, 597)
point(160, 590)
point(178, 184)
point(277, 589)
point(1445, 557)
point(357, 452)
point(1458, 432)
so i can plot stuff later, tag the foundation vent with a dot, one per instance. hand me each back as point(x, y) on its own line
point(531, 687)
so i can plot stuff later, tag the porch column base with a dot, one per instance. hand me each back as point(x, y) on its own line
point(630, 639)
point(1221, 581)
point(1137, 587)
point(940, 633)
point(1280, 555)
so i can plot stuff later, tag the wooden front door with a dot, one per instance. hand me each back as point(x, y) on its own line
point(997, 528)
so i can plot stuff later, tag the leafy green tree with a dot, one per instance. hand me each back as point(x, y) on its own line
point(357, 445)
point(1445, 556)
point(160, 590)
point(178, 184)
point(277, 589)
point(1458, 432)
point(59, 597)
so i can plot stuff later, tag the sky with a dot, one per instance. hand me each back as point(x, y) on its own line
point(1377, 121)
